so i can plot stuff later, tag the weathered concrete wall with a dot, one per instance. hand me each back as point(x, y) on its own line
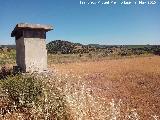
point(35, 54)
point(31, 54)
point(20, 53)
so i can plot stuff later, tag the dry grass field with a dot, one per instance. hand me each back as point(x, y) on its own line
point(132, 85)
point(84, 88)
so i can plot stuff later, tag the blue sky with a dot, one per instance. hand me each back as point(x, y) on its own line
point(101, 24)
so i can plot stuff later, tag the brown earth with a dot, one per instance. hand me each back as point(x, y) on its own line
point(134, 81)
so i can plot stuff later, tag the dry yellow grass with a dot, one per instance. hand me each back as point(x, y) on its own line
point(122, 89)
point(112, 67)
point(133, 81)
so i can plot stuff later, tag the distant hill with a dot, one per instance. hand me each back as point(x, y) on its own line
point(97, 45)
point(60, 46)
point(103, 46)
point(66, 47)
point(8, 46)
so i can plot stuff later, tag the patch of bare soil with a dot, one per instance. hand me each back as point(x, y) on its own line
point(134, 81)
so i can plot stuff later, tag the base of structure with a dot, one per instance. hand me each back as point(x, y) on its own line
point(18, 70)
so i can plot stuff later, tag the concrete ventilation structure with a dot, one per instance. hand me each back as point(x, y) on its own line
point(31, 53)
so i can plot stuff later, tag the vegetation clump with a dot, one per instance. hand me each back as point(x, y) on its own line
point(32, 97)
point(7, 57)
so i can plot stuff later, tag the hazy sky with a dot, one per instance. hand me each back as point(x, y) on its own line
point(102, 24)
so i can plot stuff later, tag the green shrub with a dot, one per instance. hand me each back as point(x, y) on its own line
point(8, 57)
point(34, 97)
point(22, 90)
